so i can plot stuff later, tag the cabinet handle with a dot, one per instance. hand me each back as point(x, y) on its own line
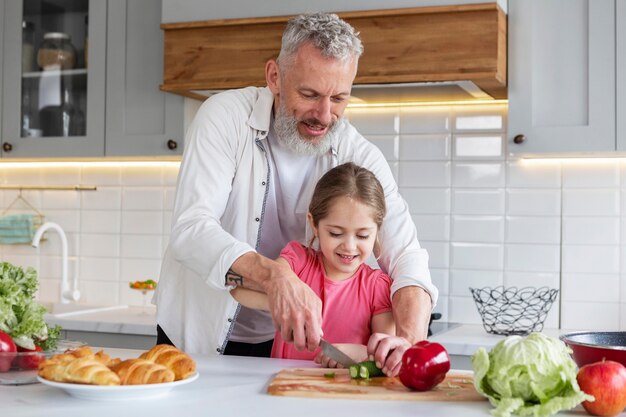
point(7, 147)
point(519, 139)
point(172, 144)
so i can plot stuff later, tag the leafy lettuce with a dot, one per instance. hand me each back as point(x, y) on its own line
point(531, 376)
point(20, 316)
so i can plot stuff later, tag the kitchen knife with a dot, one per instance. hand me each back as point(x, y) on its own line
point(335, 354)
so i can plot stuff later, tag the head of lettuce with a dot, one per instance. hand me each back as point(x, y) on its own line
point(528, 376)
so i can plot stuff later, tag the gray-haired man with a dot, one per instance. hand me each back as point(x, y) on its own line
point(252, 159)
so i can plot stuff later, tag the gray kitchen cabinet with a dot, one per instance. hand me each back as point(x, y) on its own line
point(562, 85)
point(115, 86)
point(141, 120)
point(621, 73)
point(35, 99)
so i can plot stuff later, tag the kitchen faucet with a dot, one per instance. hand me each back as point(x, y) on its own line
point(67, 295)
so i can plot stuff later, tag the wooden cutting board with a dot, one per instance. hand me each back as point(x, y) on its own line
point(311, 382)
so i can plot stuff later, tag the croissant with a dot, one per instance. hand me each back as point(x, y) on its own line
point(141, 371)
point(178, 361)
point(81, 370)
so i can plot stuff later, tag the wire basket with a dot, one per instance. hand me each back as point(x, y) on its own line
point(508, 311)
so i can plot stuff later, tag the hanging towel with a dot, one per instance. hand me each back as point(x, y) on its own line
point(17, 228)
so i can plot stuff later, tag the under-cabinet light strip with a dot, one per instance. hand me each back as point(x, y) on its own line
point(427, 104)
point(80, 164)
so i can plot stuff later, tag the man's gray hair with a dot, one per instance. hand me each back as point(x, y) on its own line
point(334, 37)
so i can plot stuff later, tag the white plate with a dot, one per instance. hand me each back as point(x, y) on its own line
point(118, 392)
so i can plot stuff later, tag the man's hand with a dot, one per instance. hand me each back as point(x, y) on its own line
point(387, 351)
point(296, 310)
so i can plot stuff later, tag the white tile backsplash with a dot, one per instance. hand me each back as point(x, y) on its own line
point(485, 220)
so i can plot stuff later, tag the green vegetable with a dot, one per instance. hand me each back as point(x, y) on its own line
point(329, 375)
point(366, 370)
point(534, 376)
point(20, 316)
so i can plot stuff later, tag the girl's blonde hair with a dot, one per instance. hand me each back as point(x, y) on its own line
point(352, 181)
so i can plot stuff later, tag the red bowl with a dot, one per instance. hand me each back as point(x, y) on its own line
point(590, 347)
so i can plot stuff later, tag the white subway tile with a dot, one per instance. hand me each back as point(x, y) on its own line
point(442, 308)
point(590, 287)
point(27, 175)
point(14, 204)
point(591, 230)
point(99, 269)
point(522, 174)
point(476, 256)
point(463, 310)
point(141, 246)
point(424, 174)
point(142, 222)
point(522, 202)
point(142, 175)
point(591, 202)
point(169, 197)
point(590, 316)
point(478, 174)
point(51, 245)
point(425, 120)
point(605, 174)
point(461, 280)
point(99, 175)
point(484, 229)
point(427, 200)
point(590, 259)
point(532, 279)
point(438, 253)
point(424, 147)
point(142, 198)
point(484, 146)
point(478, 201)
point(167, 222)
point(62, 175)
point(49, 291)
point(100, 221)
point(100, 245)
point(382, 121)
point(61, 200)
point(525, 229)
point(532, 258)
point(388, 145)
point(104, 198)
point(99, 292)
point(170, 174)
point(440, 278)
point(483, 118)
point(69, 220)
point(139, 270)
point(432, 226)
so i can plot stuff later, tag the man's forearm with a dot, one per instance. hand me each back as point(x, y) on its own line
point(253, 271)
point(411, 312)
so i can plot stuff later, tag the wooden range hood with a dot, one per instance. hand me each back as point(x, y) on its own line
point(401, 47)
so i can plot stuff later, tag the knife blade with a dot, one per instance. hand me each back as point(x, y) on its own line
point(335, 354)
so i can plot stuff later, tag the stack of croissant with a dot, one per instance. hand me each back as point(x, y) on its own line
point(162, 363)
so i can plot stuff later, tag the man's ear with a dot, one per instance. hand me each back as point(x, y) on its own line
point(272, 76)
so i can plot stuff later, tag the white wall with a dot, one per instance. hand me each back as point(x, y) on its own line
point(485, 220)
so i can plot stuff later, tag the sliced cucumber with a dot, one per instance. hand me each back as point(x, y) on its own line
point(365, 370)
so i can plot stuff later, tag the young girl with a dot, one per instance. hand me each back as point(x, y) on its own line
point(345, 214)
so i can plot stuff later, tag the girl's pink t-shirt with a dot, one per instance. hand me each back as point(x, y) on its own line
point(347, 306)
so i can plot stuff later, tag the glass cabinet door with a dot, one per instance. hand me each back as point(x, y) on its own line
point(53, 103)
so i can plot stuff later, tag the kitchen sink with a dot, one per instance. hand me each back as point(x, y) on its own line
point(57, 309)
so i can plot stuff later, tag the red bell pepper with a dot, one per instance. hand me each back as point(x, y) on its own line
point(424, 365)
point(7, 351)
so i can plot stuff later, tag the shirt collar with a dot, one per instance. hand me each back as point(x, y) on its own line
point(260, 118)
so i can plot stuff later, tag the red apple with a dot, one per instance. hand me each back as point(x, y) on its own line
point(606, 381)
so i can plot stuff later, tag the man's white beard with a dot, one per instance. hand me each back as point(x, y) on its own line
point(286, 129)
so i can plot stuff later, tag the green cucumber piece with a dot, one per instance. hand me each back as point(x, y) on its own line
point(365, 370)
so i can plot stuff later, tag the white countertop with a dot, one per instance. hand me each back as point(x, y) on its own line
point(228, 386)
point(128, 320)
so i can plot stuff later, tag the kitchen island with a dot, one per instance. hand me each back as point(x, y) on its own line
point(228, 386)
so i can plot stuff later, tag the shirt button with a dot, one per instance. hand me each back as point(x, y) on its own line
point(263, 183)
point(219, 350)
point(230, 320)
point(257, 219)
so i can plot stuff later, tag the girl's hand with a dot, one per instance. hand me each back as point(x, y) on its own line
point(357, 352)
point(387, 351)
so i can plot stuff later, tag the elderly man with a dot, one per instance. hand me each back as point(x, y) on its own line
point(252, 159)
